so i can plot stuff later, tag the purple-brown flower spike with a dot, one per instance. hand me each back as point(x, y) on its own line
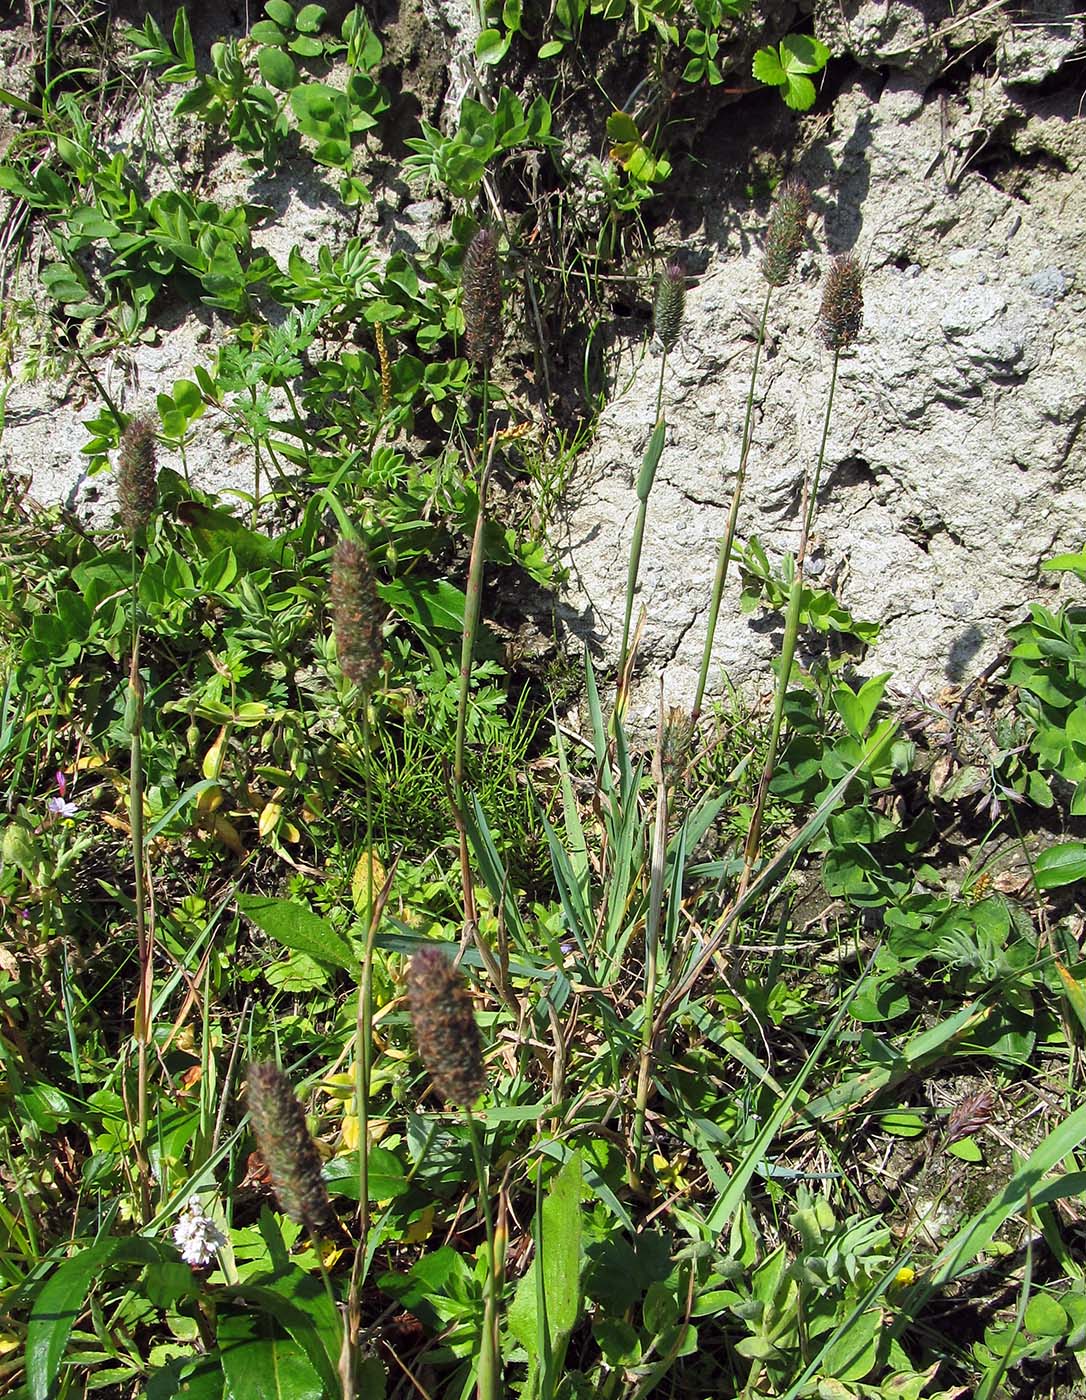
point(669, 305)
point(137, 476)
point(842, 303)
point(445, 1029)
point(356, 614)
point(289, 1152)
point(482, 298)
point(787, 230)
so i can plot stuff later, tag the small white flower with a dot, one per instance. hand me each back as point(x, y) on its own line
point(196, 1235)
point(59, 808)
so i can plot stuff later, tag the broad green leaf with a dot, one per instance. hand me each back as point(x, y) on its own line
point(491, 46)
point(386, 1175)
point(300, 1305)
point(852, 1355)
point(277, 69)
point(281, 12)
point(1045, 1317)
point(310, 18)
point(298, 928)
point(259, 1366)
point(548, 1298)
point(58, 1304)
point(1059, 865)
point(431, 606)
point(62, 1298)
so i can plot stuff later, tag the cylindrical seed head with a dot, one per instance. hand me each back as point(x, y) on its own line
point(445, 1029)
point(356, 614)
point(669, 305)
point(787, 230)
point(842, 303)
point(137, 476)
point(289, 1152)
point(482, 298)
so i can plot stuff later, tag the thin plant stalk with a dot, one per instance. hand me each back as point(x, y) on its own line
point(142, 1014)
point(363, 1056)
point(489, 1376)
point(788, 650)
point(727, 540)
point(472, 612)
point(643, 489)
point(652, 947)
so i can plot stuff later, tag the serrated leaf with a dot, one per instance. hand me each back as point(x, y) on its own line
point(767, 68)
point(799, 94)
point(803, 53)
point(622, 129)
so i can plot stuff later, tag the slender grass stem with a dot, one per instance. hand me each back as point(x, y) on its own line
point(142, 1015)
point(472, 611)
point(652, 947)
point(788, 650)
point(489, 1385)
point(644, 487)
point(727, 540)
point(364, 1055)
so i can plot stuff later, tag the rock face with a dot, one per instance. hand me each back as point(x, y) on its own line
point(952, 163)
point(955, 462)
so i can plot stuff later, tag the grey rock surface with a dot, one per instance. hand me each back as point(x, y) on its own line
point(955, 462)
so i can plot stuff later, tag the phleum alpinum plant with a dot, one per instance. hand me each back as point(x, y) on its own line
point(382, 1012)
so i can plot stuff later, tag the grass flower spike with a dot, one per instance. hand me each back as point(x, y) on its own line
point(289, 1152)
point(482, 303)
point(137, 485)
point(445, 1029)
point(786, 232)
point(842, 314)
point(356, 614)
point(669, 305)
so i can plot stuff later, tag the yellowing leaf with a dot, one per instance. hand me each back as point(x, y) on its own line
point(210, 800)
point(212, 765)
point(269, 818)
point(1076, 994)
point(368, 861)
point(227, 833)
point(420, 1229)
